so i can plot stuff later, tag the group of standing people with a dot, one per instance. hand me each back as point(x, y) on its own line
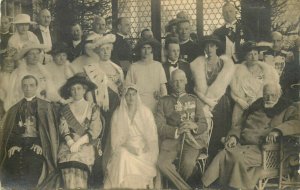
point(95, 110)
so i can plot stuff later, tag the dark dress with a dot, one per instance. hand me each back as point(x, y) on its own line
point(222, 114)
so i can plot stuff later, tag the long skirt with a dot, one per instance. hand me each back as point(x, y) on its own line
point(221, 124)
point(126, 170)
point(238, 167)
point(75, 178)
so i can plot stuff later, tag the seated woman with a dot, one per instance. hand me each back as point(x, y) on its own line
point(134, 144)
point(79, 127)
point(249, 79)
point(212, 76)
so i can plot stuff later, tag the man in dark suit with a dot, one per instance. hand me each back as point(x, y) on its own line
point(122, 51)
point(5, 34)
point(189, 50)
point(181, 128)
point(173, 62)
point(43, 32)
point(76, 44)
point(232, 34)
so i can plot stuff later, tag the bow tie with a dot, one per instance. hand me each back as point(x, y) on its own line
point(172, 65)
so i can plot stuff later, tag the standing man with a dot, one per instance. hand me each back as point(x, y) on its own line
point(99, 25)
point(30, 140)
point(182, 129)
point(233, 33)
point(5, 34)
point(173, 62)
point(189, 50)
point(76, 44)
point(122, 51)
point(43, 32)
point(281, 60)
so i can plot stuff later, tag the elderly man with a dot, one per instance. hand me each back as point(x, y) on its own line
point(182, 130)
point(189, 50)
point(232, 34)
point(239, 164)
point(4, 33)
point(122, 52)
point(43, 32)
point(99, 25)
point(29, 145)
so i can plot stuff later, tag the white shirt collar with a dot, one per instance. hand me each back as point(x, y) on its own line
point(76, 42)
point(122, 35)
point(172, 62)
point(183, 42)
point(44, 29)
point(29, 99)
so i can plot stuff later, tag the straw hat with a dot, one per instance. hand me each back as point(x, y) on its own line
point(27, 47)
point(23, 19)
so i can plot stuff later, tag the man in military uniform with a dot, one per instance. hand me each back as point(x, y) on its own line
point(280, 60)
point(28, 152)
point(182, 131)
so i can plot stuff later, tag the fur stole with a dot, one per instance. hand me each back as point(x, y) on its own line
point(218, 88)
point(243, 77)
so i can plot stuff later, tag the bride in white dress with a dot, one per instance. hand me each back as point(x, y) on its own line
point(134, 144)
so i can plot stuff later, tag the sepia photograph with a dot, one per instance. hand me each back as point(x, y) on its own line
point(150, 94)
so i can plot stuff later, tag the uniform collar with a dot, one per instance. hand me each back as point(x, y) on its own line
point(179, 96)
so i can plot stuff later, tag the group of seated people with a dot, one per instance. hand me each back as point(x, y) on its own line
point(94, 112)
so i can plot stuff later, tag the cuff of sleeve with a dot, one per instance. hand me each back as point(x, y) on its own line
point(90, 136)
point(176, 136)
point(278, 130)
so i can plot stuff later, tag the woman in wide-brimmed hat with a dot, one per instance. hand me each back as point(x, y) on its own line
point(30, 63)
point(79, 127)
point(249, 79)
point(212, 75)
point(148, 74)
point(22, 35)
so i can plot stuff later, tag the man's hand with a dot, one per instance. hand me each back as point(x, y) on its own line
point(231, 142)
point(182, 130)
point(75, 147)
point(188, 125)
point(37, 149)
point(12, 150)
point(272, 137)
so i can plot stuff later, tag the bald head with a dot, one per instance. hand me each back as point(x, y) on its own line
point(44, 17)
point(99, 25)
point(229, 12)
point(178, 81)
point(277, 40)
point(271, 94)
